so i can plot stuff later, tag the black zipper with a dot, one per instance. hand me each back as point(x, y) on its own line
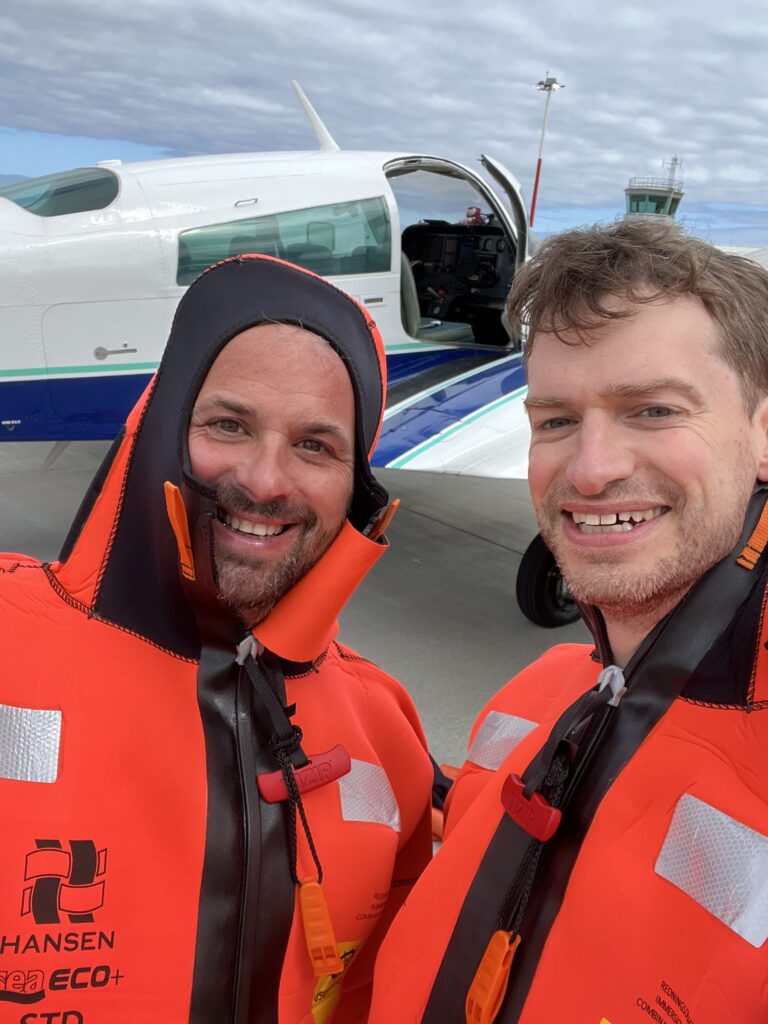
point(251, 842)
point(247, 894)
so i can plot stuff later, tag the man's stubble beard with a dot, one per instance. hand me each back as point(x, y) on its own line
point(647, 593)
point(251, 587)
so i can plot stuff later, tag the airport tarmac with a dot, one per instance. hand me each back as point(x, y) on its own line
point(438, 611)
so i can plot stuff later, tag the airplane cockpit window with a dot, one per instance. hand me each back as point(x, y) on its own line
point(342, 238)
point(55, 195)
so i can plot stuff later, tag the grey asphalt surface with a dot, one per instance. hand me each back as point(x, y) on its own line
point(438, 611)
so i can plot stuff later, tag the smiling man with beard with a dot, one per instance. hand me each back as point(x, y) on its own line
point(272, 430)
point(211, 809)
point(606, 848)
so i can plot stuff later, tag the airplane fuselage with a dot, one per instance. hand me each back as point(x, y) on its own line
point(95, 261)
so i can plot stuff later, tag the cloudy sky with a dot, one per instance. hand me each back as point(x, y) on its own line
point(137, 79)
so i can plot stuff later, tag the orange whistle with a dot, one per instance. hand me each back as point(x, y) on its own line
point(318, 929)
point(489, 985)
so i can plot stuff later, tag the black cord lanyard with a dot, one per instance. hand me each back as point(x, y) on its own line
point(266, 676)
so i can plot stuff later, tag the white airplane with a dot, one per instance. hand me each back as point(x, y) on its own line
point(94, 261)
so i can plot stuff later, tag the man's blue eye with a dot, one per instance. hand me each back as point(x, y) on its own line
point(658, 411)
point(556, 422)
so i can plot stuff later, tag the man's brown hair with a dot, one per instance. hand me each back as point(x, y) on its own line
point(565, 285)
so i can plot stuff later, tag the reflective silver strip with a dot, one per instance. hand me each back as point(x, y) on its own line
point(720, 863)
point(497, 737)
point(29, 744)
point(366, 795)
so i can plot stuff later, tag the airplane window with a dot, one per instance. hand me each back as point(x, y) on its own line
point(54, 195)
point(428, 195)
point(342, 238)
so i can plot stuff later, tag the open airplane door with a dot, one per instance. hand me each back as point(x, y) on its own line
point(456, 379)
point(462, 268)
point(519, 218)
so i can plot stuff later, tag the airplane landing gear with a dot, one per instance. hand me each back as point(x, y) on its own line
point(542, 594)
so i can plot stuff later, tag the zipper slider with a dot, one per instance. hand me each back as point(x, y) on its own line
point(380, 522)
point(536, 815)
point(318, 929)
point(321, 769)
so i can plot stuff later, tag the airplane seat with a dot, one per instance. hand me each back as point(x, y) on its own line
point(257, 235)
point(356, 262)
point(378, 259)
point(514, 341)
point(317, 258)
point(410, 313)
point(184, 268)
point(421, 328)
point(366, 259)
point(244, 244)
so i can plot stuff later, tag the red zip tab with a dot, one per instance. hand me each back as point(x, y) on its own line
point(489, 985)
point(322, 769)
point(318, 930)
point(536, 816)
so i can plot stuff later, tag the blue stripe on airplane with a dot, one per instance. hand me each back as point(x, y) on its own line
point(94, 408)
point(68, 409)
point(402, 365)
point(436, 412)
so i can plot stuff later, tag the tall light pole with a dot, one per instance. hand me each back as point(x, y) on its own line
point(548, 85)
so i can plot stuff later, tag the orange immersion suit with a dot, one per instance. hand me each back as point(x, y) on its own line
point(145, 875)
point(606, 853)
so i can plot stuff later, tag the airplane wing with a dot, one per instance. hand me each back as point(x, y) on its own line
point(470, 423)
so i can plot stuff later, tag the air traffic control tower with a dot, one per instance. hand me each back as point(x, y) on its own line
point(655, 197)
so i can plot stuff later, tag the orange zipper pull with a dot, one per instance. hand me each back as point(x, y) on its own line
point(375, 530)
point(489, 985)
point(318, 929)
point(177, 514)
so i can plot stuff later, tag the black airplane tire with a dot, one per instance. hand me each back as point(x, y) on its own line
point(541, 591)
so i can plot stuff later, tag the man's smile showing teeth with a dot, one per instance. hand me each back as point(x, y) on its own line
point(615, 522)
point(255, 529)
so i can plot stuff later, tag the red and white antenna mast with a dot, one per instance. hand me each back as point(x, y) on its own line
point(548, 85)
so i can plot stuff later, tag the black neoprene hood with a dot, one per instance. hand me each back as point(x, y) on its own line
point(251, 290)
point(140, 576)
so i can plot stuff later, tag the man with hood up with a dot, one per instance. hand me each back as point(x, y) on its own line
point(211, 809)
